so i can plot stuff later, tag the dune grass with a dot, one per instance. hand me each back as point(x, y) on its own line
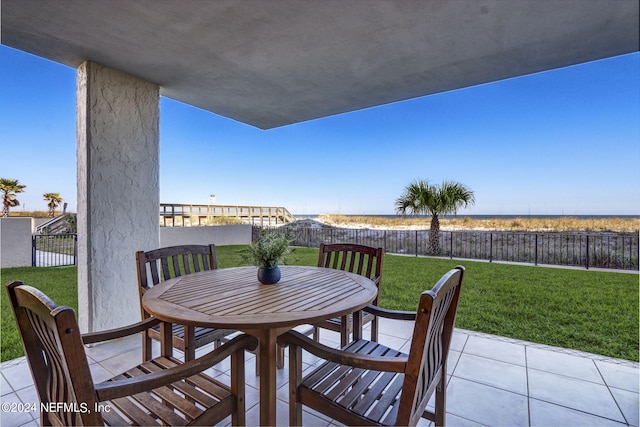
point(591, 311)
point(34, 214)
point(560, 224)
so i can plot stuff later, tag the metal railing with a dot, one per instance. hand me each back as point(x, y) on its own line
point(59, 224)
point(588, 250)
point(178, 215)
point(49, 250)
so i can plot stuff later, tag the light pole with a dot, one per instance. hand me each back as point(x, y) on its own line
point(212, 201)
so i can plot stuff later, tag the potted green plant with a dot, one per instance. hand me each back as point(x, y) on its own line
point(267, 253)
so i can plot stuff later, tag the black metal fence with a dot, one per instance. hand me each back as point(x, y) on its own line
point(50, 250)
point(588, 249)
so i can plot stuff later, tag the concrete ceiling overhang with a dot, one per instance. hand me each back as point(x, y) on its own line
point(271, 63)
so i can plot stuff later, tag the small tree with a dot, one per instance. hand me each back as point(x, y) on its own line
point(422, 198)
point(10, 187)
point(72, 223)
point(54, 200)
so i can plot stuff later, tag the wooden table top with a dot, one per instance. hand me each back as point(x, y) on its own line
point(232, 298)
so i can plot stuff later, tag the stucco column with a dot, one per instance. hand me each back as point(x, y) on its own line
point(118, 191)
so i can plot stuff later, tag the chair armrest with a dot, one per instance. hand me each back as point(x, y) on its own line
point(111, 334)
point(390, 314)
point(112, 389)
point(377, 363)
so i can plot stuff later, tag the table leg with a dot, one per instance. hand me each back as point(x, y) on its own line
point(268, 351)
point(357, 325)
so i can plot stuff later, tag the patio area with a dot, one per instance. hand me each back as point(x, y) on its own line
point(492, 381)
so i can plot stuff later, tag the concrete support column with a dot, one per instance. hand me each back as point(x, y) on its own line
point(118, 191)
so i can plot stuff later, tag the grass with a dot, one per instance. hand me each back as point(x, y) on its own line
point(59, 283)
point(565, 223)
point(592, 311)
point(34, 214)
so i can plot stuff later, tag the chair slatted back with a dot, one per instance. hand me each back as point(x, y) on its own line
point(162, 264)
point(56, 356)
point(430, 345)
point(359, 259)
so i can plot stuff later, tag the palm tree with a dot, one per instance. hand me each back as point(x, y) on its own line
point(54, 200)
point(423, 198)
point(10, 187)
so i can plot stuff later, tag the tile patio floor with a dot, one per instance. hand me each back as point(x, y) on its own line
point(493, 381)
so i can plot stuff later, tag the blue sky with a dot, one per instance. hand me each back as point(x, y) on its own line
point(564, 142)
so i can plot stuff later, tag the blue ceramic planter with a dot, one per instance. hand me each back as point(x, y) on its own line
point(268, 276)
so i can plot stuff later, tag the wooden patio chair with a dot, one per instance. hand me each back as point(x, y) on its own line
point(162, 391)
point(367, 383)
point(163, 264)
point(363, 260)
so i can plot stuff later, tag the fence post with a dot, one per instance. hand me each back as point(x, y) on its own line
point(451, 244)
point(75, 249)
point(587, 260)
point(490, 247)
point(535, 257)
point(416, 242)
point(384, 242)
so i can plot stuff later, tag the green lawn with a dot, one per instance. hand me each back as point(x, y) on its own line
point(59, 283)
point(590, 311)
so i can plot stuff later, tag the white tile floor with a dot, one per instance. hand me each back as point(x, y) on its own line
point(494, 381)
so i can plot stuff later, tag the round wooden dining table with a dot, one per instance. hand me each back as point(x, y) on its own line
point(232, 298)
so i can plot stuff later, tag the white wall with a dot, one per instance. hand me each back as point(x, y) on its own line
point(15, 242)
point(16, 234)
point(219, 235)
